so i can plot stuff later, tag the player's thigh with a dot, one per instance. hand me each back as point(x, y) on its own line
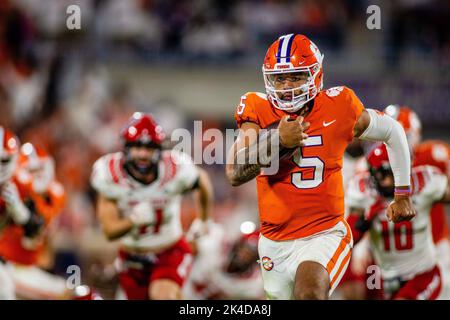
point(327, 255)
point(277, 282)
point(164, 289)
point(311, 281)
point(170, 272)
point(133, 276)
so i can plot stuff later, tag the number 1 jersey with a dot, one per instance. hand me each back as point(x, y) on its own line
point(161, 199)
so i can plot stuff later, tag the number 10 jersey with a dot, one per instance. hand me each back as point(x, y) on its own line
point(406, 248)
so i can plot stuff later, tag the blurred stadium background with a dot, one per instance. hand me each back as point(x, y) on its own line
point(70, 91)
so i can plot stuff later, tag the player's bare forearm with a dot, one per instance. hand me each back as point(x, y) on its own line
point(112, 224)
point(248, 161)
point(118, 229)
point(238, 174)
point(254, 149)
point(239, 168)
point(205, 198)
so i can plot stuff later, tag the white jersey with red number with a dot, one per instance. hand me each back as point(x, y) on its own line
point(405, 248)
point(162, 198)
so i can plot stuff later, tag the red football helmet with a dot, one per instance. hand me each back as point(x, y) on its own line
point(9, 151)
point(142, 129)
point(378, 157)
point(39, 164)
point(379, 167)
point(293, 53)
point(410, 122)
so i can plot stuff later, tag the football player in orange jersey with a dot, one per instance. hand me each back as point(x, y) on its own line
point(12, 207)
point(45, 197)
point(434, 153)
point(305, 243)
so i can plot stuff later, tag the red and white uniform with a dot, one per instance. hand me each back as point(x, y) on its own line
point(437, 153)
point(176, 174)
point(352, 166)
point(212, 251)
point(404, 251)
point(209, 279)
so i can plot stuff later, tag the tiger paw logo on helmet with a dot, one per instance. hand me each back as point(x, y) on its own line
point(267, 263)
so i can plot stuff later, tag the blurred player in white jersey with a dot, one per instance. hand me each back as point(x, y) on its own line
point(353, 161)
point(225, 269)
point(139, 196)
point(352, 286)
point(435, 153)
point(404, 251)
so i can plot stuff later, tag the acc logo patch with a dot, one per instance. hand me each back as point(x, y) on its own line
point(267, 263)
point(333, 92)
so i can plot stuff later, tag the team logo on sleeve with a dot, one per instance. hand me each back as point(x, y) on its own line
point(267, 263)
point(333, 92)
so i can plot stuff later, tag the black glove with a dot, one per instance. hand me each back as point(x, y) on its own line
point(362, 225)
point(33, 225)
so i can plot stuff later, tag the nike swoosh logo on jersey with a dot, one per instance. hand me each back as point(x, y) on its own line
point(326, 124)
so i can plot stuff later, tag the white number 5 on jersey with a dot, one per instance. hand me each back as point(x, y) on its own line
point(308, 162)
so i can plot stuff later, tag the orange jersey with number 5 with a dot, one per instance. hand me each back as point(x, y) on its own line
point(306, 195)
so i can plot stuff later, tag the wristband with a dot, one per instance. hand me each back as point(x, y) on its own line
point(402, 192)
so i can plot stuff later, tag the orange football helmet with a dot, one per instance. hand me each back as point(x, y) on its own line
point(293, 53)
point(410, 122)
point(9, 151)
point(39, 165)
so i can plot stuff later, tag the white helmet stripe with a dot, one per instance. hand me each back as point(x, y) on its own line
point(284, 54)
